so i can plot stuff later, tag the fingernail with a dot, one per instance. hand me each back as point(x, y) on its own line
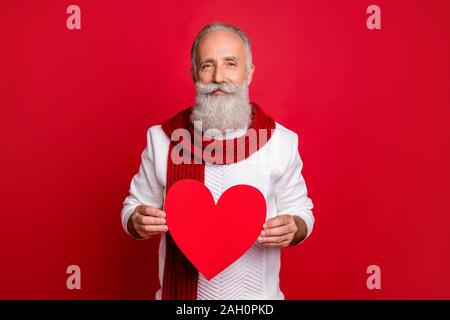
point(260, 238)
point(263, 233)
point(164, 214)
point(265, 225)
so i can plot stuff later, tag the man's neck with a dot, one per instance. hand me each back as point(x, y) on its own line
point(228, 134)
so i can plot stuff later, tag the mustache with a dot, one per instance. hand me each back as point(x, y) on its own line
point(211, 87)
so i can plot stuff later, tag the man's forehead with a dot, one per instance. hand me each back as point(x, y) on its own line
point(226, 43)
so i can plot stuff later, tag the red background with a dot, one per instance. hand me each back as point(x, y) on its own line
point(371, 109)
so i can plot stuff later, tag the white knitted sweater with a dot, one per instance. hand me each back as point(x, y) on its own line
point(275, 170)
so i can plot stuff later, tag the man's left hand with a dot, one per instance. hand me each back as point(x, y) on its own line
point(283, 231)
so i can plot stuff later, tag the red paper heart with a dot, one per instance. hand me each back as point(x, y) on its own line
point(213, 236)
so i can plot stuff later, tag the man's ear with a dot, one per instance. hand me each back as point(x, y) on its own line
point(193, 75)
point(250, 74)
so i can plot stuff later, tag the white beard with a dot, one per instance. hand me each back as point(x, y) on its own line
point(224, 113)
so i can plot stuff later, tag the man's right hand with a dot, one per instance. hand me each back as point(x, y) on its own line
point(146, 222)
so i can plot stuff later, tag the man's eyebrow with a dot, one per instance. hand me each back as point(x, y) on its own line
point(207, 60)
point(231, 58)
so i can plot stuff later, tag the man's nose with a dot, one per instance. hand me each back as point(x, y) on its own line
point(218, 77)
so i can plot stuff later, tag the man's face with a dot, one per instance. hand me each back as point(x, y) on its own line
point(221, 57)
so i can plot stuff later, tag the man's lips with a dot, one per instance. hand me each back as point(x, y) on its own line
point(218, 92)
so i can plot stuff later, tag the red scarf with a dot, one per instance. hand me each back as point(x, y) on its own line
point(180, 276)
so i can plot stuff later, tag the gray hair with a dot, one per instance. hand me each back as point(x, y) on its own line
point(221, 26)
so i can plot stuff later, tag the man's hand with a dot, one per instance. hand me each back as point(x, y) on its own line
point(146, 222)
point(283, 231)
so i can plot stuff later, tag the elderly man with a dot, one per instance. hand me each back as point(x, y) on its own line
point(222, 70)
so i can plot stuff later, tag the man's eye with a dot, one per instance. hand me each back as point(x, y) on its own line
point(206, 66)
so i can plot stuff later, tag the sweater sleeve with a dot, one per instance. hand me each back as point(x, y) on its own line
point(144, 188)
point(291, 194)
